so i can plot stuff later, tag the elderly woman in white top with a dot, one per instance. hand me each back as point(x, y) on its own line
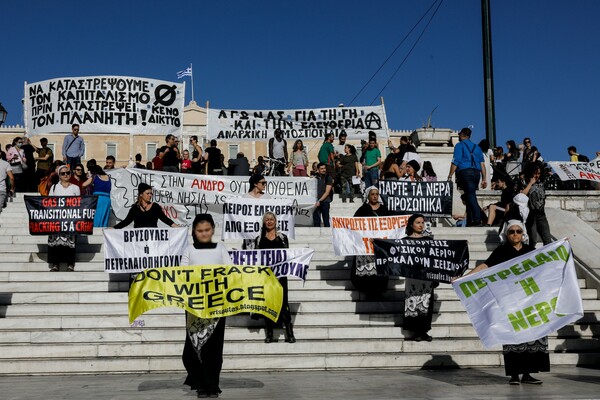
point(61, 247)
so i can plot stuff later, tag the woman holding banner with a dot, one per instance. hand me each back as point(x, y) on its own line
point(61, 248)
point(523, 358)
point(144, 213)
point(100, 182)
point(364, 273)
point(411, 172)
point(203, 350)
point(418, 294)
point(271, 238)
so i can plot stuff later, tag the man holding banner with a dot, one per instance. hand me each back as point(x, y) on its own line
point(528, 294)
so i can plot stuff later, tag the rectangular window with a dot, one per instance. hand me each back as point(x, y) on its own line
point(111, 150)
point(150, 151)
point(233, 150)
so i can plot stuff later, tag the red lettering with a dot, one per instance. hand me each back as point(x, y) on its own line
point(84, 226)
point(73, 201)
point(219, 186)
point(49, 202)
point(170, 212)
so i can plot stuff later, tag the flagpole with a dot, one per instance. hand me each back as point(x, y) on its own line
point(192, 70)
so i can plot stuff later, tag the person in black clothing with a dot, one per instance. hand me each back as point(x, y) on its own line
point(138, 162)
point(144, 213)
point(212, 156)
point(197, 160)
point(498, 210)
point(418, 294)
point(172, 155)
point(523, 358)
point(31, 181)
point(271, 238)
point(364, 273)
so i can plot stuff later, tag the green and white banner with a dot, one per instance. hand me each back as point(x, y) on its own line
point(525, 298)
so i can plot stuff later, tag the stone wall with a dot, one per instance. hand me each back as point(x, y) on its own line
point(584, 203)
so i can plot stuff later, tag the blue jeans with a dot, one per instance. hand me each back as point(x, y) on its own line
point(468, 179)
point(371, 177)
point(72, 161)
point(323, 210)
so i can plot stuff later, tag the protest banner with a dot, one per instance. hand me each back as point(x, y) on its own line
point(101, 104)
point(207, 291)
point(525, 298)
point(56, 215)
point(292, 262)
point(182, 196)
point(432, 199)
point(589, 171)
point(256, 125)
point(351, 234)
point(242, 217)
point(428, 260)
point(137, 249)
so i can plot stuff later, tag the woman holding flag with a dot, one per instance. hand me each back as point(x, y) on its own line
point(203, 350)
point(523, 358)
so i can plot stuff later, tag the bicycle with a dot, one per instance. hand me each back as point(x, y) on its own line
point(272, 167)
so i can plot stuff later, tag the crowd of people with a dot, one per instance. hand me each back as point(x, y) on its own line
point(519, 172)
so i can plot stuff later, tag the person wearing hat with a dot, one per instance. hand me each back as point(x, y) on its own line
point(523, 358)
point(469, 166)
point(61, 247)
point(411, 170)
point(203, 350)
point(145, 213)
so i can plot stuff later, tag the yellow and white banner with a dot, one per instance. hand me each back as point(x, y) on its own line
point(351, 234)
point(525, 298)
point(208, 291)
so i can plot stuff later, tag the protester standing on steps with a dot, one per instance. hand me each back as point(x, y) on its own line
point(523, 358)
point(203, 351)
point(418, 294)
point(364, 273)
point(73, 147)
point(145, 213)
point(100, 187)
point(271, 238)
point(468, 164)
point(61, 247)
point(5, 171)
point(536, 222)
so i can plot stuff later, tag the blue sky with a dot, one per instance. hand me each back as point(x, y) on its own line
point(309, 54)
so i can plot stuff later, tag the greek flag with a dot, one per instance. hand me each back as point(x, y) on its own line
point(185, 72)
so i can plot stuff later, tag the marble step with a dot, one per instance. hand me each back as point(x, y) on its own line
point(240, 363)
point(255, 332)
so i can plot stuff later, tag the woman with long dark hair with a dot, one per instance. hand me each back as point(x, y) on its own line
point(100, 182)
point(429, 174)
point(512, 151)
point(390, 171)
point(145, 213)
point(203, 350)
point(419, 296)
point(299, 159)
point(271, 238)
point(349, 167)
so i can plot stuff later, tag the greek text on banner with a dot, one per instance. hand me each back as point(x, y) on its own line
point(207, 291)
point(525, 298)
point(432, 199)
point(61, 214)
point(105, 104)
point(291, 262)
point(569, 171)
point(182, 196)
point(242, 217)
point(430, 260)
point(253, 125)
point(351, 234)
point(135, 250)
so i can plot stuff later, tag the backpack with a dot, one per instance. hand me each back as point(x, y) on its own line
point(582, 158)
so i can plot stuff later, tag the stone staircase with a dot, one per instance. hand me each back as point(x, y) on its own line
point(74, 323)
